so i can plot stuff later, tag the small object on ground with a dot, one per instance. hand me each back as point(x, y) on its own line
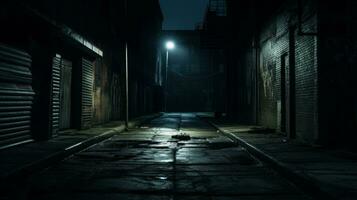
point(182, 136)
point(218, 114)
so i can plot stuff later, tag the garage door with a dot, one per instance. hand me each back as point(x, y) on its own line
point(87, 93)
point(16, 96)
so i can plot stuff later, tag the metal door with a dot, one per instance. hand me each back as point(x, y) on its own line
point(55, 95)
point(290, 87)
point(16, 96)
point(287, 102)
point(87, 73)
point(65, 94)
point(284, 95)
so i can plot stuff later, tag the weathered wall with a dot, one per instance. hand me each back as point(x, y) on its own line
point(98, 27)
point(264, 90)
point(144, 46)
point(317, 45)
point(46, 28)
point(266, 82)
point(280, 40)
point(306, 60)
point(102, 111)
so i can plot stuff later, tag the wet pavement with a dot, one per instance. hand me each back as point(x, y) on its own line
point(331, 171)
point(149, 163)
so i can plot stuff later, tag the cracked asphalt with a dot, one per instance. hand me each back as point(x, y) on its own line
point(148, 163)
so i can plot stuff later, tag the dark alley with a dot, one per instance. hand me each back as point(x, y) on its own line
point(148, 163)
point(178, 99)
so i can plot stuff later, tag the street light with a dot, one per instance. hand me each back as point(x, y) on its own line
point(170, 45)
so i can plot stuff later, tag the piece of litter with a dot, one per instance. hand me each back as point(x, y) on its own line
point(182, 136)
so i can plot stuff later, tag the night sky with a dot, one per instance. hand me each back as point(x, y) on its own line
point(182, 14)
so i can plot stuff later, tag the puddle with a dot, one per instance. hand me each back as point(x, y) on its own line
point(183, 136)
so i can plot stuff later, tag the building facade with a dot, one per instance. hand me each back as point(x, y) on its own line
point(63, 66)
point(195, 74)
point(291, 64)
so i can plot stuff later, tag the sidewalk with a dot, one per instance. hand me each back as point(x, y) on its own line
point(327, 173)
point(19, 161)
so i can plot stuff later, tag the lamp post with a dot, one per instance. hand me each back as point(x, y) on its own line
point(170, 45)
point(126, 72)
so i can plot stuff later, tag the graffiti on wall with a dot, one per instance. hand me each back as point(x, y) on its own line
point(267, 76)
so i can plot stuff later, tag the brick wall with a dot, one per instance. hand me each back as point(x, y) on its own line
point(280, 41)
point(306, 82)
point(320, 53)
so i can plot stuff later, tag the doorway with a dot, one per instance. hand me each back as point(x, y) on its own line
point(285, 95)
point(65, 95)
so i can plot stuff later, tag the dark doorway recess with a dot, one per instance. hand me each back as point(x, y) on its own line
point(65, 95)
point(284, 93)
point(290, 84)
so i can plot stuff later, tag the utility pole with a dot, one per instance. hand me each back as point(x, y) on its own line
point(166, 83)
point(126, 71)
point(126, 87)
point(170, 45)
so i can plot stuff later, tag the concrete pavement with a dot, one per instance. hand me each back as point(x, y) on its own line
point(20, 161)
point(330, 173)
point(148, 163)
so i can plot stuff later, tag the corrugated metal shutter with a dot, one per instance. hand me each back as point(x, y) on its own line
point(65, 95)
point(87, 93)
point(55, 95)
point(16, 96)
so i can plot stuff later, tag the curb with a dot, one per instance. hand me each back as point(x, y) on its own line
point(304, 182)
point(27, 170)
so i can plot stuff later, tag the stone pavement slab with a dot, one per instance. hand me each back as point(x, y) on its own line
point(21, 160)
point(147, 163)
point(333, 172)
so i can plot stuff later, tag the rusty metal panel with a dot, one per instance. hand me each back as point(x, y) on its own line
point(16, 96)
point(87, 93)
point(55, 95)
point(65, 95)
